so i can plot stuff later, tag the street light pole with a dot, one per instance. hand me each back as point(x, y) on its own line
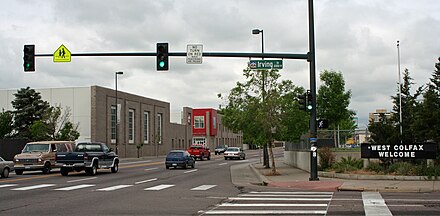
point(265, 153)
point(116, 103)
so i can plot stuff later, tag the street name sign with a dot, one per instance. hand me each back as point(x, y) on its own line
point(194, 53)
point(62, 54)
point(265, 64)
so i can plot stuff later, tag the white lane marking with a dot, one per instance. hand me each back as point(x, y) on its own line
point(190, 171)
point(114, 188)
point(33, 187)
point(222, 164)
point(74, 187)
point(7, 185)
point(148, 180)
point(159, 187)
point(290, 192)
point(149, 169)
point(273, 205)
point(136, 162)
point(264, 212)
point(279, 199)
point(241, 161)
point(374, 204)
point(203, 187)
point(84, 179)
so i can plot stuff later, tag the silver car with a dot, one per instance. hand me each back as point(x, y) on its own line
point(234, 152)
point(6, 167)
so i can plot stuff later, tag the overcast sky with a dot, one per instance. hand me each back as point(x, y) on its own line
point(355, 37)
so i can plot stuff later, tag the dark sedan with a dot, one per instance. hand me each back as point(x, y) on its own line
point(179, 158)
point(6, 167)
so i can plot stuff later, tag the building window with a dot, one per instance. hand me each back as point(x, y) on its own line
point(199, 140)
point(159, 128)
point(131, 126)
point(146, 126)
point(199, 121)
point(214, 122)
point(113, 124)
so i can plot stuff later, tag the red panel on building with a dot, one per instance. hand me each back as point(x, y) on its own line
point(200, 121)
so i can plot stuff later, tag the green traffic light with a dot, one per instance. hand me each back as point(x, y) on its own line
point(28, 65)
point(161, 64)
point(309, 107)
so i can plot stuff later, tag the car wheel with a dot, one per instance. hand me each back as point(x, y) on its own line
point(64, 172)
point(5, 173)
point(185, 166)
point(46, 168)
point(202, 157)
point(115, 168)
point(226, 158)
point(167, 167)
point(209, 157)
point(92, 170)
point(194, 165)
point(19, 172)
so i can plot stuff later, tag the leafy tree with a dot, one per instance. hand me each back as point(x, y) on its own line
point(29, 107)
point(68, 132)
point(6, 121)
point(39, 131)
point(409, 103)
point(257, 107)
point(332, 102)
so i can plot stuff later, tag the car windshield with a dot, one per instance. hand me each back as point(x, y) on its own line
point(220, 147)
point(175, 154)
point(232, 149)
point(196, 147)
point(36, 148)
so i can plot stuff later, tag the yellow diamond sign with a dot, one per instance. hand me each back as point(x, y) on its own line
point(62, 54)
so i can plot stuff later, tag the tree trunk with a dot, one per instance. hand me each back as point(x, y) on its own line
point(265, 157)
point(274, 169)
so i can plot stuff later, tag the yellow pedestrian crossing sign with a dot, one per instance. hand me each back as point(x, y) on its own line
point(62, 54)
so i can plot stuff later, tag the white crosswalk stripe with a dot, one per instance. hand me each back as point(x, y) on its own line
point(203, 187)
point(275, 203)
point(159, 187)
point(112, 188)
point(75, 187)
point(33, 187)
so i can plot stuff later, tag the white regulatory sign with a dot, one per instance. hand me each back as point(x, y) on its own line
point(194, 53)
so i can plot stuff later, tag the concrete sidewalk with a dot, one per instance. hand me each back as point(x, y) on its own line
point(296, 179)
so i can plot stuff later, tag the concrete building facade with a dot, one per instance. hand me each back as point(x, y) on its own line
point(141, 125)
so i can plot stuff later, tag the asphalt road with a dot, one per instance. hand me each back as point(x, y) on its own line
point(145, 187)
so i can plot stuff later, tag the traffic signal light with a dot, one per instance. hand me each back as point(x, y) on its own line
point(309, 101)
point(29, 58)
point(302, 101)
point(162, 56)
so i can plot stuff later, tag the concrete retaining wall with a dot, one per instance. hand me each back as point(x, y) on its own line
point(299, 159)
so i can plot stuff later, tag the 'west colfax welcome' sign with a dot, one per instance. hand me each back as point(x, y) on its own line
point(414, 150)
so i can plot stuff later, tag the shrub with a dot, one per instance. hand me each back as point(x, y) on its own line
point(402, 168)
point(348, 164)
point(375, 167)
point(326, 158)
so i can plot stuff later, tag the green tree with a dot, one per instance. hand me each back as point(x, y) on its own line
point(29, 107)
point(6, 121)
point(68, 132)
point(332, 102)
point(409, 104)
point(257, 107)
point(383, 131)
point(427, 124)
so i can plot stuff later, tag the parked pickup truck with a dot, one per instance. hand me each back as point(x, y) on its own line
point(199, 151)
point(88, 156)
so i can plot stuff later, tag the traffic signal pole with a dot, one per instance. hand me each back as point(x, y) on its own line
point(313, 134)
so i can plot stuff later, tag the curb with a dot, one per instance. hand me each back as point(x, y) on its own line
point(375, 177)
point(261, 178)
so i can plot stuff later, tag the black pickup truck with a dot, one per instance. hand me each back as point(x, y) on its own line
point(88, 156)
